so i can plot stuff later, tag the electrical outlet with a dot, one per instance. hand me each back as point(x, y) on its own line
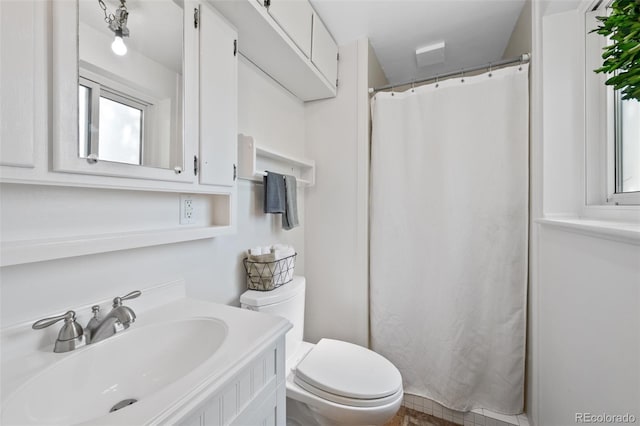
point(187, 210)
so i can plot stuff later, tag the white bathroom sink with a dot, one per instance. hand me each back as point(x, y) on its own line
point(83, 386)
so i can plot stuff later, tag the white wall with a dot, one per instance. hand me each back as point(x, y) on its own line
point(336, 241)
point(212, 268)
point(520, 40)
point(589, 327)
point(584, 298)
point(377, 77)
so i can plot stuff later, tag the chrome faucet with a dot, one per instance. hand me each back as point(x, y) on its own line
point(120, 318)
point(72, 336)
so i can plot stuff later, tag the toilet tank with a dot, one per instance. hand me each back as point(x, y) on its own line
point(286, 301)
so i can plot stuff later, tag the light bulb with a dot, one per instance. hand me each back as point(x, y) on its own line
point(118, 46)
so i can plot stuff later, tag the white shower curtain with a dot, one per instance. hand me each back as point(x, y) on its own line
point(449, 213)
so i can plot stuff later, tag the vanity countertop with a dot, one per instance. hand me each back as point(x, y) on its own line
point(247, 334)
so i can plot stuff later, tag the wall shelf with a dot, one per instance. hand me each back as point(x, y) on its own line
point(37, 250)
point(254, 161)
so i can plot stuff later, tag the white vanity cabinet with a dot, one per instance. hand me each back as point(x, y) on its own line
point(256, 396)
point(186, 362)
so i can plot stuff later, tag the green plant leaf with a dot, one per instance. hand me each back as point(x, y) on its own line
point(622, 58)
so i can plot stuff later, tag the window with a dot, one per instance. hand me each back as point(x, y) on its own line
point(110, 124)
point(120, 132)
point(612, 131)
point(627, 146)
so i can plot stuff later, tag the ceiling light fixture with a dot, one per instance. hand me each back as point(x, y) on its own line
point(118, 24)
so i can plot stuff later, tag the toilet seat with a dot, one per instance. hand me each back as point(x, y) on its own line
point(348, 374)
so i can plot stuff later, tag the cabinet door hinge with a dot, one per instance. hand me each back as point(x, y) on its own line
point(267, 3)
point(337, 56)
point(235, 172)
point(337, 81)
point(196, 17)
point(235, 47)
point(195, 165)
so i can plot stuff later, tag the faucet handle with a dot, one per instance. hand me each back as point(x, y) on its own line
point(71, 335)
point(118, 300)
point(46, 322)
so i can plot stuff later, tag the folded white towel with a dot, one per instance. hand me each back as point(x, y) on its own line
point(281, 251)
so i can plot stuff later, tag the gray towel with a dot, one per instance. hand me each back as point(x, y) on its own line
point(274, 193)
point(290, 216)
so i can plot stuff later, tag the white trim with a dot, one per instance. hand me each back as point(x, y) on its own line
point(610, 230)
point(115, 87)
point(624, 198)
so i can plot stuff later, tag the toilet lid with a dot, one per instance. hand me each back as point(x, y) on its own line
point(343, 372)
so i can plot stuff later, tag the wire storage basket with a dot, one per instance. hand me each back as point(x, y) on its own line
point(266, 276)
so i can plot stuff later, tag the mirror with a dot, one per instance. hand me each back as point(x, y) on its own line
point(130, 88)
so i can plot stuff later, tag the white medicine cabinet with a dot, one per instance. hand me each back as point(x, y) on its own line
point(163, 116)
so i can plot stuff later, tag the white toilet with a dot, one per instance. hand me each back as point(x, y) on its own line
point(333, 382)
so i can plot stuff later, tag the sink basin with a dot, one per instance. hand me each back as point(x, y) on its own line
point(86, 384)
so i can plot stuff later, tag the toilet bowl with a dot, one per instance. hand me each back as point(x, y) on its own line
point(332, 382)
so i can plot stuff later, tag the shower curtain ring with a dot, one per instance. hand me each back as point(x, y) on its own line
point(437, 84)
point(462, 76)
point(521, 62)
point(490, 70)
point(413, 85)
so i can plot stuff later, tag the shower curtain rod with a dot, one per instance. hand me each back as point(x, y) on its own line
point(525, 57)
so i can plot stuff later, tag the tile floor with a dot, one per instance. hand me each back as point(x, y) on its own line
point(408, 417)
point(477, 417)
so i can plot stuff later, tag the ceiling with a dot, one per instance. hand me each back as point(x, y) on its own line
point(475, 32)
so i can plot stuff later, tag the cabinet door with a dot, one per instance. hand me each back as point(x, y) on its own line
point(295, 18)
point(324, 53)
point(17, 74)
point(218, 98)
